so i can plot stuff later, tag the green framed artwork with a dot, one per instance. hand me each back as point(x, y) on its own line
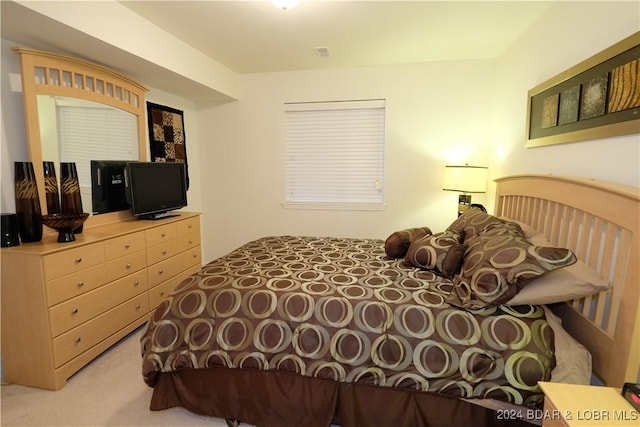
point(598, 98)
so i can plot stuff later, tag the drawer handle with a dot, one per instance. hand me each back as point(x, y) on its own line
point(190, 226)
point(78, 260)
point(191, 242)
point(164, 252)
point(78, 340)
point(161, 293)
point(74, 311)
point(138, 307)
point(128, 265)
point(195, 255)
point(80, 284)
point(160, 271)
point(163, 234)
point(136, 283)
point(127, 246)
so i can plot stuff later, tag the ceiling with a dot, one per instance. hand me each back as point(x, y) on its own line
point(253, 36)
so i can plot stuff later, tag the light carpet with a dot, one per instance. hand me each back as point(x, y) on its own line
point(107, 392)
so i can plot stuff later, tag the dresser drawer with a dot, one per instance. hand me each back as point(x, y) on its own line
point(125, 245)
point(161, 234)
point(188, 240)
point(72, 343)
point(73, 260)
point(189, 225)
point(76, 311)
point(75, 284)
point(193, 257)
point(165, 270)
point(126, 265)
point(161, 252)
point(164, 289)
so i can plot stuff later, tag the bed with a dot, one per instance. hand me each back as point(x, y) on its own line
point(415, 330)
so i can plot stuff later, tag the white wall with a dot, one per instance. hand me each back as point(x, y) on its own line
point(565, 36)
point(436, 114)
point(12, 125)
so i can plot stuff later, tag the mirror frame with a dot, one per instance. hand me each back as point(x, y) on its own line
point(46, 73)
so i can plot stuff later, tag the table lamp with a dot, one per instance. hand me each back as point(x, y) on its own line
point(465, 180)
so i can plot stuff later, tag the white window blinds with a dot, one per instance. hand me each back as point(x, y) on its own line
point(335, 155)
point(93, 132)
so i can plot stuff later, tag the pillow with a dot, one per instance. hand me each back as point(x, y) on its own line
point(397, 244)
point(441, 252)
point(473, 222)
point(575, 281)
point(499, 263)
point(528, 230)
point(573, 360)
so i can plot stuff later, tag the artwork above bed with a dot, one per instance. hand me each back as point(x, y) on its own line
point(597, 98)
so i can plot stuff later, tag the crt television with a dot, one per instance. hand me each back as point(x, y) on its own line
point(156, 188)
point(108, 186)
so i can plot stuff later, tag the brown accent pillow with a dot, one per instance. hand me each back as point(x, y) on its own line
point(441, 252)
point(498, 263)
point(397, 244)
point(473, 222)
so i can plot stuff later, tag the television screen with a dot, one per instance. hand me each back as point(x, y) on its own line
point(108, 187)
point(156, 188)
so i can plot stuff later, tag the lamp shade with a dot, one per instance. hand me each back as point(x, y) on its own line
point(465, 179)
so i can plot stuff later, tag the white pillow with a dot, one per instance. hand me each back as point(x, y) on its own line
point(565, 284)
point(573, 360)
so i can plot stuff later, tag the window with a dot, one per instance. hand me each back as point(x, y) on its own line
point(334, 155)
point(112, 133)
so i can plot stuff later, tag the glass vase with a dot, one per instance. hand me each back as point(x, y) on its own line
point(10, 231)
point(71, 202)
point(27, 203)
point(51, 188)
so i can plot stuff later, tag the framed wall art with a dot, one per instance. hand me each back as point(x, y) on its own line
point(598, 98)
point(166, 135)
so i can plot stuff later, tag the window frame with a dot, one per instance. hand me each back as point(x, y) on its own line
point(373, 167)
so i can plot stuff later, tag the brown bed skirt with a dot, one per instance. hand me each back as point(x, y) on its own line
point(282, 399)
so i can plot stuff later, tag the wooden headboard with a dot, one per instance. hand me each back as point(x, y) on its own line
point(600, 222)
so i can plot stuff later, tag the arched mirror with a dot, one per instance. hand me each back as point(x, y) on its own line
point(79, 131)
point(77, 111)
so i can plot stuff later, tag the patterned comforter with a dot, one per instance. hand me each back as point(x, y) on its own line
point(340, 309)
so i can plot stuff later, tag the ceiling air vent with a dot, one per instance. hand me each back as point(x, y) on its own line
point(322, 52)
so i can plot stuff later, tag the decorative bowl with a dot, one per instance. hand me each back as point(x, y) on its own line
point(64, 224)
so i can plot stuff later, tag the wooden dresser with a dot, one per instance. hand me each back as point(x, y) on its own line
point(65, 303)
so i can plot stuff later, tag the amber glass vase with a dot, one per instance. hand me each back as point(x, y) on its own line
point(71, 202)
point(27, 203)
point(51, 188)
